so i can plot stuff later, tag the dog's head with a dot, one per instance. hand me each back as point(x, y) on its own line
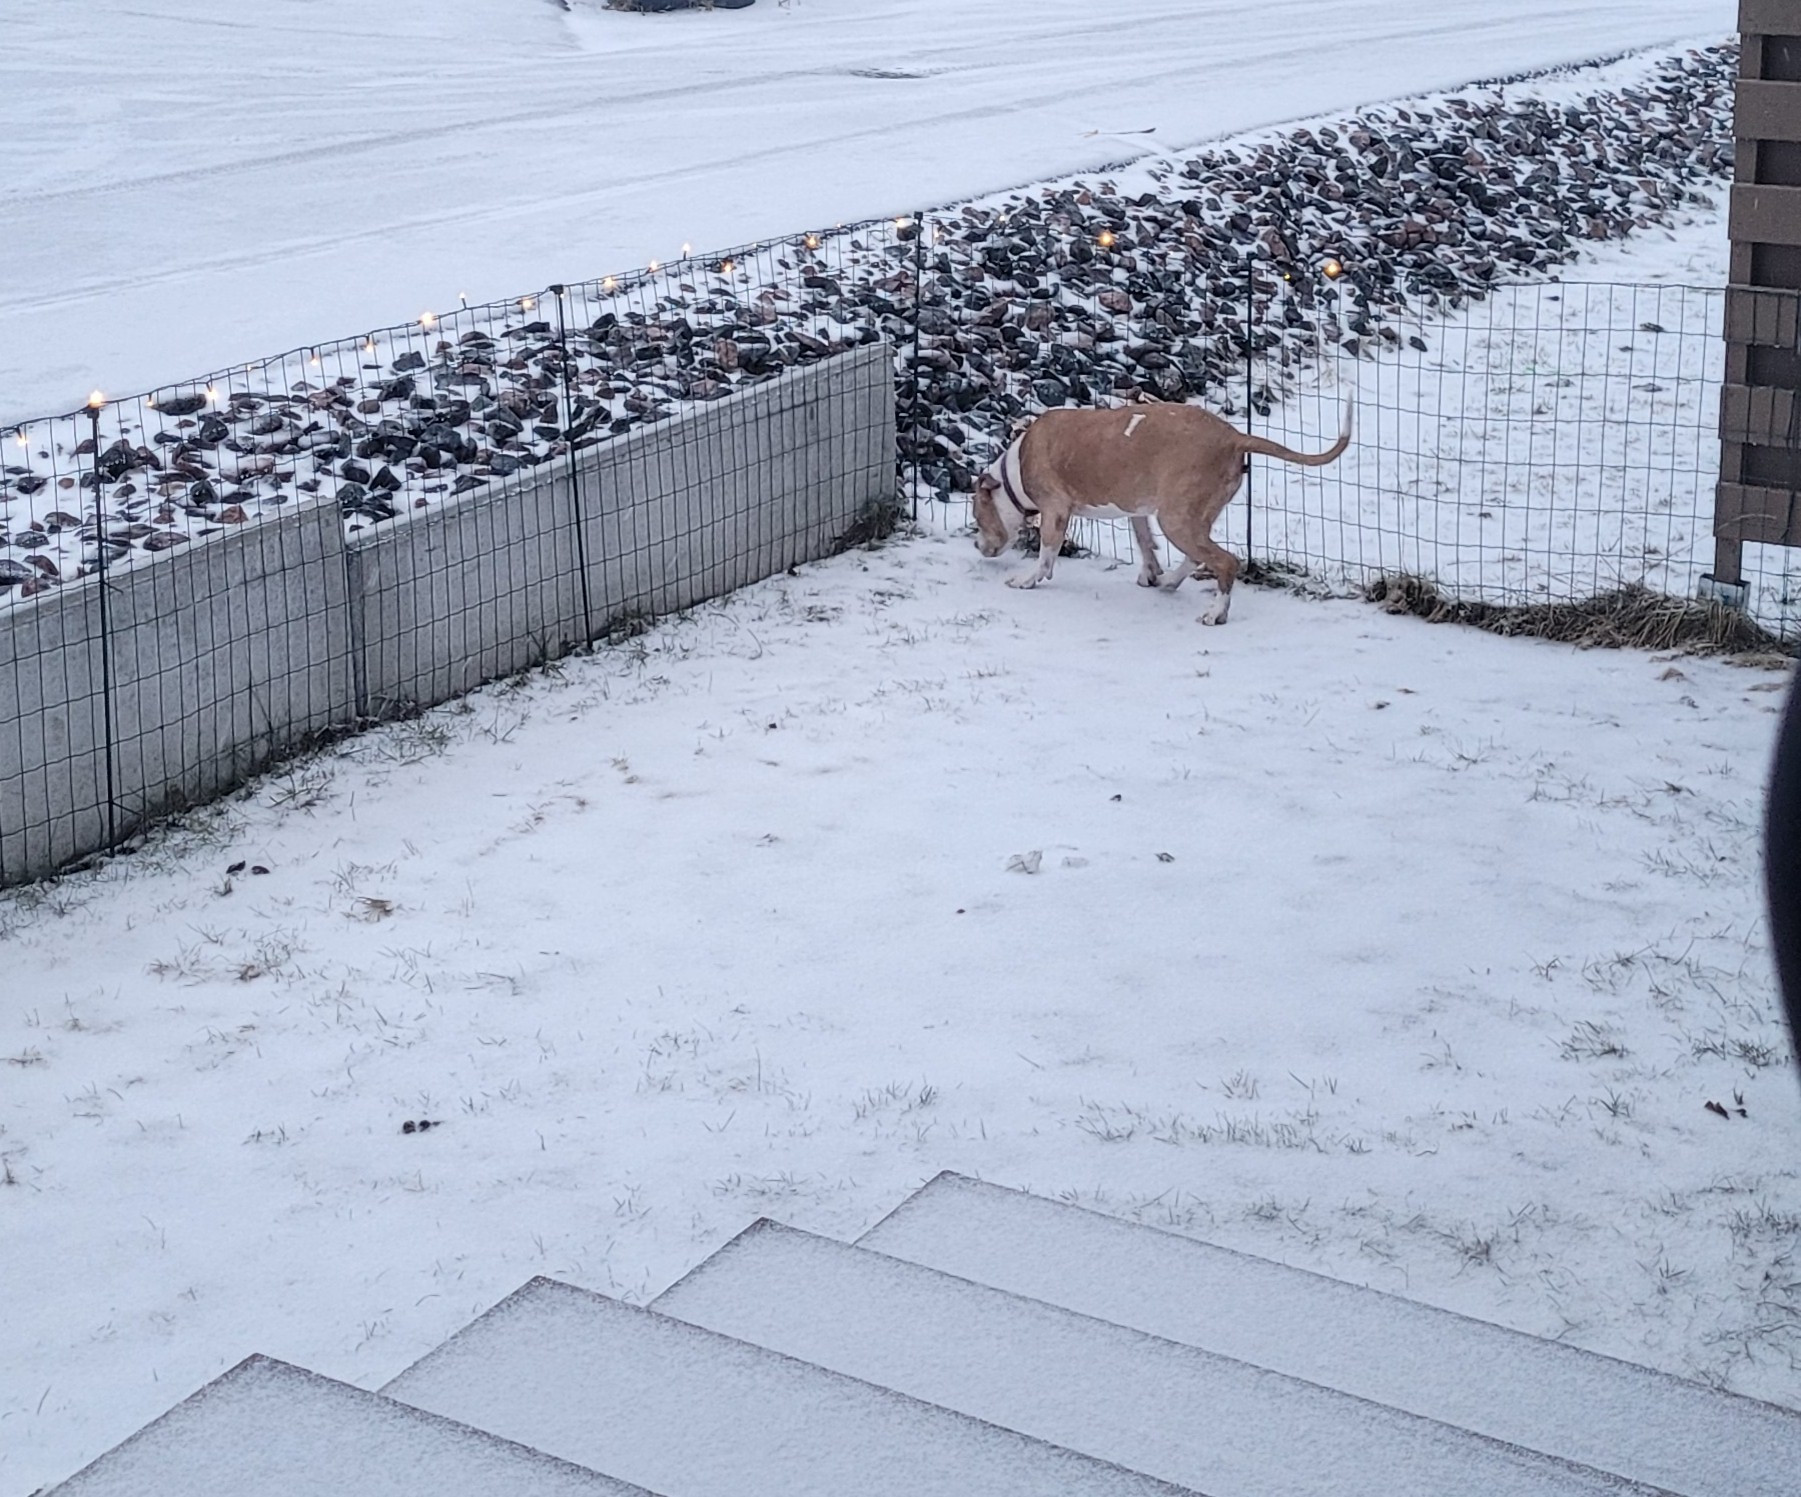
point(992, 532)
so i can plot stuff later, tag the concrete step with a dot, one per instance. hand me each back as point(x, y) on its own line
point(266, 1429)
point(696, 1414)
point(1612, 1415)
point(1187, 1415)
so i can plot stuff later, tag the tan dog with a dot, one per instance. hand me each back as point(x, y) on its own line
point(1177, 462)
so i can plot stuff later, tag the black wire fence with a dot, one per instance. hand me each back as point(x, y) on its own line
point(1550, 443)
point(1547, 443)
point(200, 580)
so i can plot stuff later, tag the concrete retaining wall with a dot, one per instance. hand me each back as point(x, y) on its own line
point(225, 656)
point(220, 659)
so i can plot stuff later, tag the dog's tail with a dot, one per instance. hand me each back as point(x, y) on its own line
point(1266, 448)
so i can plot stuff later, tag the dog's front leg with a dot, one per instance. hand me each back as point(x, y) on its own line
point(1050, 542)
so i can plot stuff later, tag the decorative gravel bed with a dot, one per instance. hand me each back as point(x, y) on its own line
point(1079, 292)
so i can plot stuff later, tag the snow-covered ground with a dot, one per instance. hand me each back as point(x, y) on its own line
point(190, 186)
point(1399, 951)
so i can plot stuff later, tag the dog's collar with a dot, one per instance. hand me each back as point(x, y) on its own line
point(1013, 481)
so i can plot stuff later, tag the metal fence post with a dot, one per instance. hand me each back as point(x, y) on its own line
point(575, 473)
point(915, 423)
point(1250, 409)
point(95, 403)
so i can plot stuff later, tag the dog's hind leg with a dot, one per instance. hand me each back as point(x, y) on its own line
point(1150, 569)
point(1179, 573)
point(1224, 566)
point(1050, 542)
point(1194, 540)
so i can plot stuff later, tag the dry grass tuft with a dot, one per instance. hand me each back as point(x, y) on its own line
point(1630, 618)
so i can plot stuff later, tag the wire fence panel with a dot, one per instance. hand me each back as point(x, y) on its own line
point(1550, 443)
point(200, 580)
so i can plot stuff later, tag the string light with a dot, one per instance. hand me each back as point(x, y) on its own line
point(1105, 239)
point(812, 241)
point(20, 437)
point(726, 267)
point(903, 223)
point(609, 284)
point(526, 303)
point(213, 394)
point(314, 360)
point(1333, 270)
point(463, 297)
point(96, 400)
point(687, 250)
point(426, 319)
point(653, 267)
point(369, 346)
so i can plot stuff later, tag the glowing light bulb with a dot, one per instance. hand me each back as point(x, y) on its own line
point(1333, 270)
point(687, 249)
point(426, 319)
point(812, 241)
point(214, 395)
point(1105, 239)
point(726, 267)
point(528, 302)
point(609, 284)
point(369, 346)
point(653, 267)
point(20, 437)
point(96, 400)
point(463, 297)
point(903, 223)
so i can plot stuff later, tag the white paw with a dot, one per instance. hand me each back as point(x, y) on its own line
point(1025, 579)
point(1214, 614)
point(1170, 584)
point(1150, 579)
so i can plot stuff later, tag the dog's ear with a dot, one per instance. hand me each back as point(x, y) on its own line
point(985, 483)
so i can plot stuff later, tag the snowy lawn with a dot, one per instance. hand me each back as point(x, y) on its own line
point(1401, 952)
